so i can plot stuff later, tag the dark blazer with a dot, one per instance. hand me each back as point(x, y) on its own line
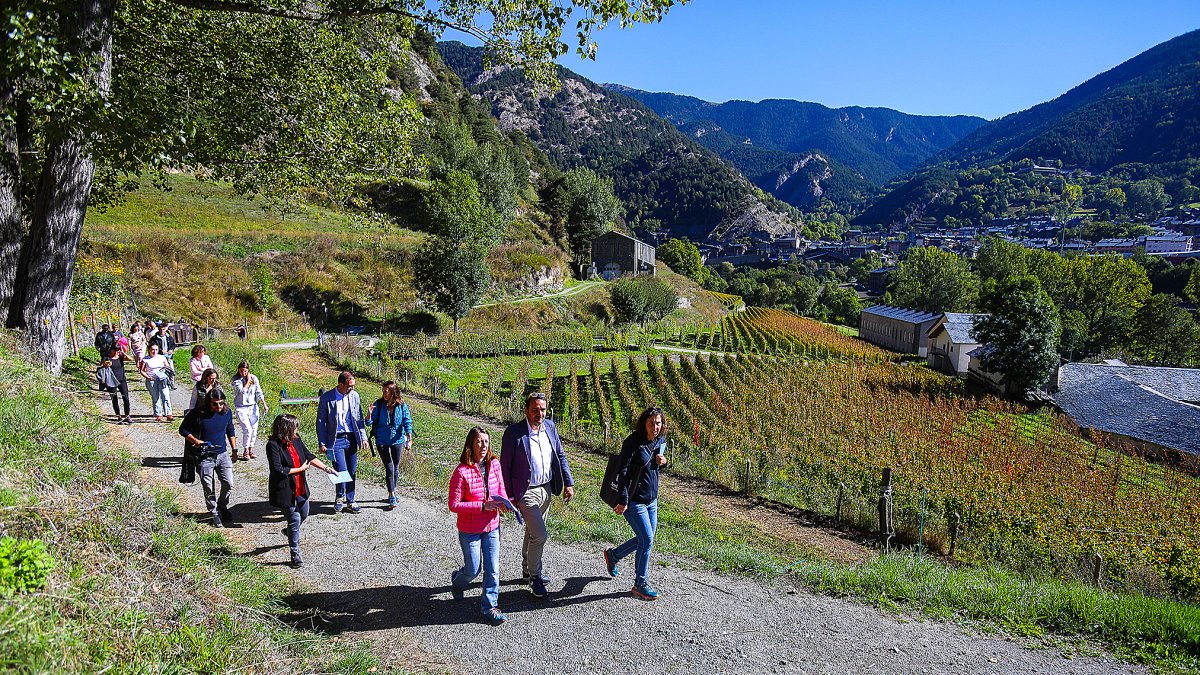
point(514, 460)
point(280, 490)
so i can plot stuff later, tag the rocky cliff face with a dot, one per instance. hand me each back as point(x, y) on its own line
point(666, 180)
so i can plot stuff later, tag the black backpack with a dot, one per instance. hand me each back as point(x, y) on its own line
point(106, 342)
point(610, 488)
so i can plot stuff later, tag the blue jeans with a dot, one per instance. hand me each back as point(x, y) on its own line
point(295, 514)
point(473, 545)
point(344, 457)
point(390, 454)
point(643, 518)
point(161, 395)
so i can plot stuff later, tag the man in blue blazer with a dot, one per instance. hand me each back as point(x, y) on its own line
point(341, 432)
point(535, 468)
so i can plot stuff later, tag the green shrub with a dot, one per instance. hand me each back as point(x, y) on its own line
point(25, 564)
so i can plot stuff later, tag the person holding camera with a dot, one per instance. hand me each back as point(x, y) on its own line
point(287, 486)
point(641, 458)
point(207, 429)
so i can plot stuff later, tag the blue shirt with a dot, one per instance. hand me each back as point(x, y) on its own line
point(208, 426)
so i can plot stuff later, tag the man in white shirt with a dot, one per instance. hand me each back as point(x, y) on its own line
point(341, 432)
point(535, 468)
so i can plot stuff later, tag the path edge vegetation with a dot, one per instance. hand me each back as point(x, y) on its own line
point(1068, 615)
point(113, 575)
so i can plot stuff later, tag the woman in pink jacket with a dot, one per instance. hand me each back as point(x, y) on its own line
point(473, 486)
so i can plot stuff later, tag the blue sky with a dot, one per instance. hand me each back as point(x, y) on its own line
point(935, 58)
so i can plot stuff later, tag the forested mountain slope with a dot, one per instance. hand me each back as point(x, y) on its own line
point(1133, 131)
point(1145, 110)
point(666, 180)
point(878, 143)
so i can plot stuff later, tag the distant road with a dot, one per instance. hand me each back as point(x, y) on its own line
point(581, 287)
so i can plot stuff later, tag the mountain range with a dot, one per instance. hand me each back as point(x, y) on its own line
point(879, 143)
point(666, 180)
point(1139, 120)
point(722, 170)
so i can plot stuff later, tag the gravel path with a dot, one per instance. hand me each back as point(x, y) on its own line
point(385, 576)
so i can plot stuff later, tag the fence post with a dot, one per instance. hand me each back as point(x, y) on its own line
point(1097, 569)
point(954, 521)
point(885, 496)
point(74, 341)
point(747, 485)
point(841, 496)
point(921, 527)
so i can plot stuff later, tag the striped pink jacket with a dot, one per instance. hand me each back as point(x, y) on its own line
point(467, 495)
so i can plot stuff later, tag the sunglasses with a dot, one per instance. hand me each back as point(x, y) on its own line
point(536, 396)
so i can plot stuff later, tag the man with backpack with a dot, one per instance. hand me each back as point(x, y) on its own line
point(106, 341)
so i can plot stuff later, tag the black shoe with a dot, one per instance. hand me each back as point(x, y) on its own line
point(296, 562)
point(227, 516)
point(216, 522)
point(538, 588)
point(454, 589)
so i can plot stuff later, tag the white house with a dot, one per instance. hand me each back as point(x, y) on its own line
point(1168, 243)
point(950, 343)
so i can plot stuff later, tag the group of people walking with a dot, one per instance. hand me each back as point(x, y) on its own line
point(530, 471)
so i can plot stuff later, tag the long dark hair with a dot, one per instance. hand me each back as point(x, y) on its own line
point(649, 414)
point(469, 446)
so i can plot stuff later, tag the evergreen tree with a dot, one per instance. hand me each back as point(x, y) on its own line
point(1020, 330)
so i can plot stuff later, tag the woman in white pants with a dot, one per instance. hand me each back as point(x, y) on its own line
point(247, 395)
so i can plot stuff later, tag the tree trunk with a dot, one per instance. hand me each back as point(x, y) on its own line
point(12, 220)
point(43, 282)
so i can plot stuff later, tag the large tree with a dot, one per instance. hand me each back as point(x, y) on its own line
point(450, 269)
point(1164, 333)
point(274, 95)
point(683, 257)
point(1020, 331)
point(584, 205)
point(934, 280)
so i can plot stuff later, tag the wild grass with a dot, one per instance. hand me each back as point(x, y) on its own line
point(134, 588)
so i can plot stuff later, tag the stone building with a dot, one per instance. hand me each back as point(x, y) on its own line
point(615, 255)
point(896, 328)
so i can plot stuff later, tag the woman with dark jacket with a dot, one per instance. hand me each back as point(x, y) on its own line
point(287, 487)
point(391, 427)
point(641, 458)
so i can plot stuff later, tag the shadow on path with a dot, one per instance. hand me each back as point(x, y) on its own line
point(371, 609)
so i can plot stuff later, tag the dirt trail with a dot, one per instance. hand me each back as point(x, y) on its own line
point(385, 576)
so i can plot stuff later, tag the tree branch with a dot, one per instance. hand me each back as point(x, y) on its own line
point(486, 37)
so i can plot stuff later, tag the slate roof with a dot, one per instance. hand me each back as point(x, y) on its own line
point(1138, 401)
point(900, 313)
point(958, 326)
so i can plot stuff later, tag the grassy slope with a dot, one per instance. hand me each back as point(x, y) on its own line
point(134, 588)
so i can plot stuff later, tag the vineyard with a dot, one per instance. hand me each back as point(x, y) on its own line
point(778, 333)
point(814, 426)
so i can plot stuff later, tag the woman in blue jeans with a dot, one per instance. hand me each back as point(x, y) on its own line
point(287, 486)
point(391, 426)
point(474, 486)
point(641, 459)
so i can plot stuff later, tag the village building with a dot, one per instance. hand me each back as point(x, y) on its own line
point(1168, 243)
point(616, 255)
point(896, 328)
point(950, 343)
